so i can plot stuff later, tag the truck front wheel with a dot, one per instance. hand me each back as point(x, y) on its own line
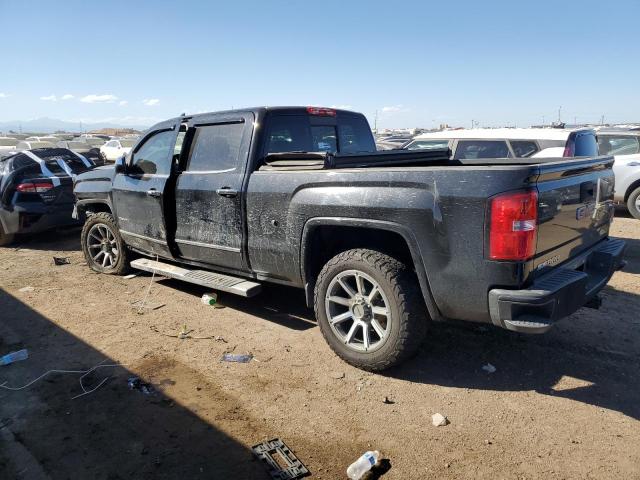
point(102, 245)
point(370, 309)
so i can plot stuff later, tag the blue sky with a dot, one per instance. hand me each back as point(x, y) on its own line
point(415, 63)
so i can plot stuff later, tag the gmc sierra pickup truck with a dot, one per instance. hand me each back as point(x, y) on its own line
point(381, 242)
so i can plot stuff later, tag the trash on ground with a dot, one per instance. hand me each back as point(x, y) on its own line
point(286, 466)
point(489, 368)
point(14, 357)
point(388, 401)
point(26, 289)
point(236, 357)
point(140, 304)
point(361, 466)
point(439, 420)
point(61, 261)
point(211, 299)
point(136, 384)
point(130, 276)
point(337, 375)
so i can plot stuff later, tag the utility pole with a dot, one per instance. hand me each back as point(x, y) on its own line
point(602, 120)
point(543, 120)
point(559, 112)
point(375, 122)
point(575, 122)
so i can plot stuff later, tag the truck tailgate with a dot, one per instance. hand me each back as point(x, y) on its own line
point(575, 207)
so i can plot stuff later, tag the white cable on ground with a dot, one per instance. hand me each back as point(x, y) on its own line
point(83, 372)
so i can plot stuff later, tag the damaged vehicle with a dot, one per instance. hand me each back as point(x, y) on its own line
point(36, 190)
point(381, 242)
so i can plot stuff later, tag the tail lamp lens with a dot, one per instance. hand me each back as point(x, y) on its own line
point(513, 226)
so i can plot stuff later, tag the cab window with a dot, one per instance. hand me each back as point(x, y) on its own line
point(154, 155)
point(469, 149)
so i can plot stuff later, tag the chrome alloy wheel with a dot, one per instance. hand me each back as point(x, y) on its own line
point(102, 246)
point(358, 311)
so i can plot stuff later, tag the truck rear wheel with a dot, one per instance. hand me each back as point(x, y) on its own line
point(102, 245)
point(633, 203)
point(370, 309)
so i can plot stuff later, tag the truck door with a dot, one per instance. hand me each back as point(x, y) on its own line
point(209, 196)
point(139, 194)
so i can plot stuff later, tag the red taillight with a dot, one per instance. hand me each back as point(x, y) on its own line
point(570, 148)
point(34, 187)
point(327, 112)
point(513, 226)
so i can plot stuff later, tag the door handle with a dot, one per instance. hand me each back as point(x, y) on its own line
point(227, 192)
point(154, 193)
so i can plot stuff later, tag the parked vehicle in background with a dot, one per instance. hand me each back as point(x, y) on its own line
point(48, 139)
point(29, 145)
point(381, 242)
point(7, 145)
point(36, 190)
point(624, 145)
point(116, 148)
point(96, 142)
point(509, 142)
point(84, 149)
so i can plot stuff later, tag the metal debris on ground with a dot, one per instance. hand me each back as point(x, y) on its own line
point(14, 357)
point(489, 368)
point(236, 357)
point(439, 420)
point(136, 384)
point(141, 305)
point(26, 289)
point(186, 334)
point(292, 469)
point(61, 261)
point(388, 401)
point(130, 276)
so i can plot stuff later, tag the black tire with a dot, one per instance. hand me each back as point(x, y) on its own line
point(121, 264)
point(633, 203)
point(5, 238)
point(408, 315)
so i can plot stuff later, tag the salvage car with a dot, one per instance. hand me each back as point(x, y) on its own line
point(624, 145)
point(32, 144)
point(510, 142)
point(84, 149)
point(382, 243)
point(36, 190)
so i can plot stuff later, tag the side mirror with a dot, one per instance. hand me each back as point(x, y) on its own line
point(121, 164)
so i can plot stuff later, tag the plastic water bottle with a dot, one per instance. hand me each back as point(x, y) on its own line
point(361, 466)
point(14, 357)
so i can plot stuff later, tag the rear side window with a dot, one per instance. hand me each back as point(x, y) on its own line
point(216, 147)
point(523, 148)
point(585, 145)
point(28, 165)
point(427, 144)
point(618, 145)
point(468, 149)
point(297, 133)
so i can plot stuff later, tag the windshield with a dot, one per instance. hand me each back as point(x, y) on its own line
point(53, 157)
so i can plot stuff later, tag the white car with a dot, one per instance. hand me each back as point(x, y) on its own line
point(509, 142)
point(624, 145)
point(114, 149)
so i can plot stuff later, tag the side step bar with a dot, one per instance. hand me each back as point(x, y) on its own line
point(216, 281)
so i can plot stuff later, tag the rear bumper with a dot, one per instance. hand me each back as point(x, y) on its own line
point(36, 218)
point(558, 293)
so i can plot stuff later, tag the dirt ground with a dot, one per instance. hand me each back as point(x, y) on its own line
point(562, 405)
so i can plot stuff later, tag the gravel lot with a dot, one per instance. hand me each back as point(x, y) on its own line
point(561, 405)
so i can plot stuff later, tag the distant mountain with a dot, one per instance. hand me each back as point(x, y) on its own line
point(50, 125)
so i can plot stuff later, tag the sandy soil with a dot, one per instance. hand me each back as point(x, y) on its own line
point(562, 405)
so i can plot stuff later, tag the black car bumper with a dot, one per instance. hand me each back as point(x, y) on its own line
point(36, 218)
point(558, 293)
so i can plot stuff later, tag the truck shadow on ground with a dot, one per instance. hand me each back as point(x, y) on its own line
point(64, 239)
point(114, 432)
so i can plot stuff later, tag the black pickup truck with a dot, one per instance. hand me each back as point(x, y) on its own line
point(381, 242)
